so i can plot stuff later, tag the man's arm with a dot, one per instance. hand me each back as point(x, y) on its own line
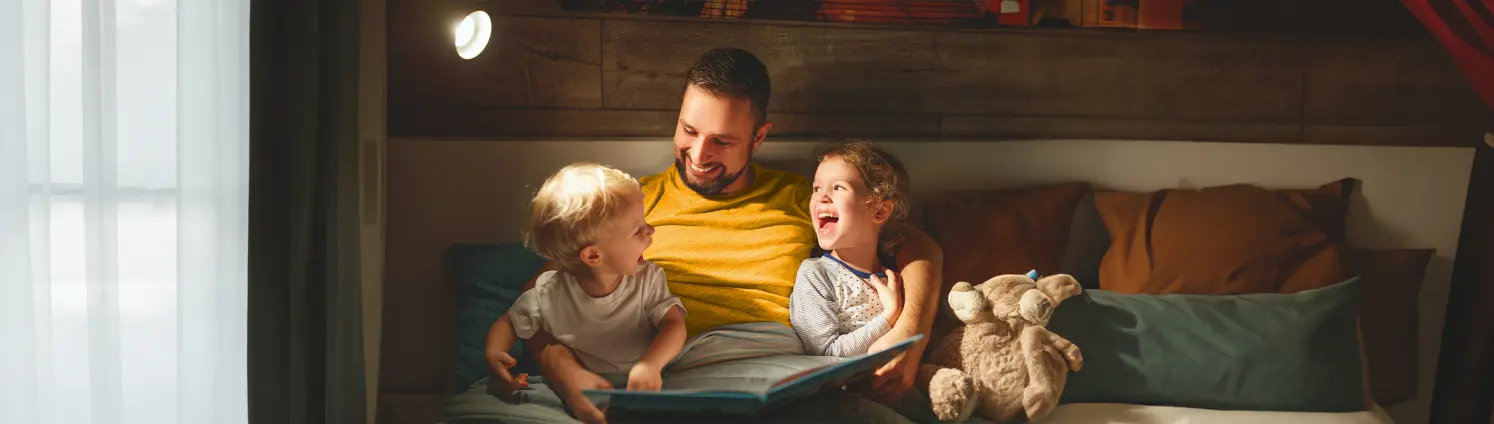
point(555, 360)
point(561, 368)
point(567, 376)
point(922, 264)
point(552, 355)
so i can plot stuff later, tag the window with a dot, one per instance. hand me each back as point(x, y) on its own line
point(123, 211)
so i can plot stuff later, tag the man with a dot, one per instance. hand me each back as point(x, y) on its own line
point(731, 234)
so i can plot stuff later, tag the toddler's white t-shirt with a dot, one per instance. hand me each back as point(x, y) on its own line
point(607, 334)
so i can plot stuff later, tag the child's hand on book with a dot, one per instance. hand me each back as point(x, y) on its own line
point(645, 377)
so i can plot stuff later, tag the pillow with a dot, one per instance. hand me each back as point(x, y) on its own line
point(489, 278)
point(1262, 352)
point(1388, 320)
point(1231, 239)
point(988, 233)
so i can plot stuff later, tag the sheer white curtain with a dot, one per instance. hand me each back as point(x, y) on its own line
point(123, 210)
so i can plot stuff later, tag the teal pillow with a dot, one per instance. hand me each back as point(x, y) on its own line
point(489, 278)
point(1260, 352)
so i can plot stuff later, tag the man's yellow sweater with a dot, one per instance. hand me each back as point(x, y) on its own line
point(730, 258)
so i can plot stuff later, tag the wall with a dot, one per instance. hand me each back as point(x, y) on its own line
point(548, 74)
point(444, 192)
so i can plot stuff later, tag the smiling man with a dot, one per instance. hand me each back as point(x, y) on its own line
point(730, 234)
point(733, 232)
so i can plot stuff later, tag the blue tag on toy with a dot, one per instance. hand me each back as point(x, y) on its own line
point(1032, 274)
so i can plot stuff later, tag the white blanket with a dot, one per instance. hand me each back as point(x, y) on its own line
point(1115, 413)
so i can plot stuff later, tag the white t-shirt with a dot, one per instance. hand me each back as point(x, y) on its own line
point(607, 334)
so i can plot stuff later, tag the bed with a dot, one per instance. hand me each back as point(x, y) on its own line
point(1066, 223)
point(1113, 413)
point(425, 409)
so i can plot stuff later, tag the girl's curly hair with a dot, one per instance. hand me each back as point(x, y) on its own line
point(883, 173)
point(884, 176)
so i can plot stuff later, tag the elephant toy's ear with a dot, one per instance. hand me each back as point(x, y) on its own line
point(968, 304)
point(1059, 287)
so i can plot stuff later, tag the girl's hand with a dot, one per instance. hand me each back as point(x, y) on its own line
point(891, 294)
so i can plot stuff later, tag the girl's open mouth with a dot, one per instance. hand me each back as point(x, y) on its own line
point(826, 222)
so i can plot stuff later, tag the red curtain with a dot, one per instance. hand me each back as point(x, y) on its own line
point(1465, 370)
point(1466, 29)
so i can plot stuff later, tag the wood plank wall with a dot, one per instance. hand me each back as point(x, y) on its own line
point(553, 74)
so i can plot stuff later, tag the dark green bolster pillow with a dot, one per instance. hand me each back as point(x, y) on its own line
point(489, 278)
point(1258, 352)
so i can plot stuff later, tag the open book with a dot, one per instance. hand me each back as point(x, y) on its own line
point(755, 397)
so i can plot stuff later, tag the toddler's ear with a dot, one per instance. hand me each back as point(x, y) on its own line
point(591, 256)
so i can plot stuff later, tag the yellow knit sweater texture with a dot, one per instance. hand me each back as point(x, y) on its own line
point(730, 258)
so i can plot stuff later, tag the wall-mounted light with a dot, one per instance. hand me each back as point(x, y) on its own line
point(473, 33)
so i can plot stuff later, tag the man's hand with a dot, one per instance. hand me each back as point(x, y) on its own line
point(891, 381)
point(891, 295)
point(921, 260)
point(578, 380)
point(568, 377)
point(644, 377)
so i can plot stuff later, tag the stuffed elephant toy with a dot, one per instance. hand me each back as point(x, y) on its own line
point(1003, 363)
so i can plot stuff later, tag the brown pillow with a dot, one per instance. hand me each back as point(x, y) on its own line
point(1388, 318)
point(1230, 239)
point(988, 233)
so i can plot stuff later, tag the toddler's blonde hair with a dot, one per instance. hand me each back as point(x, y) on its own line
point(570, 209)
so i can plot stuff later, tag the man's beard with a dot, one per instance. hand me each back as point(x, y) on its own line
point(714, 187)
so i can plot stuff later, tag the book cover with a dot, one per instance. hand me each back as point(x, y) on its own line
point(756, 398)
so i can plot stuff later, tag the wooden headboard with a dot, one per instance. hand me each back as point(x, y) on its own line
point(548, 73)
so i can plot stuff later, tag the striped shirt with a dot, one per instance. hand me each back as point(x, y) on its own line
point(834, 310)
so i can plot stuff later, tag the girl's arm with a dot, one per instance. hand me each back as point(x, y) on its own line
point(813, 312)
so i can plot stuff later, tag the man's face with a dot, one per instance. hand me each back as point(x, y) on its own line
point(714, 140)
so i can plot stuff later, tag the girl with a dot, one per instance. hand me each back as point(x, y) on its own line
point(840, 305)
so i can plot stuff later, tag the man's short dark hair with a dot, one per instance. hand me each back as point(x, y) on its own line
point(732, 72)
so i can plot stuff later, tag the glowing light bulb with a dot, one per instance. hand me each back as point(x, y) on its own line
point(465, 31)
point(472, 34)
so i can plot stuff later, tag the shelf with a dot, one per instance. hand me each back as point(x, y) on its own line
point(552, 73)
